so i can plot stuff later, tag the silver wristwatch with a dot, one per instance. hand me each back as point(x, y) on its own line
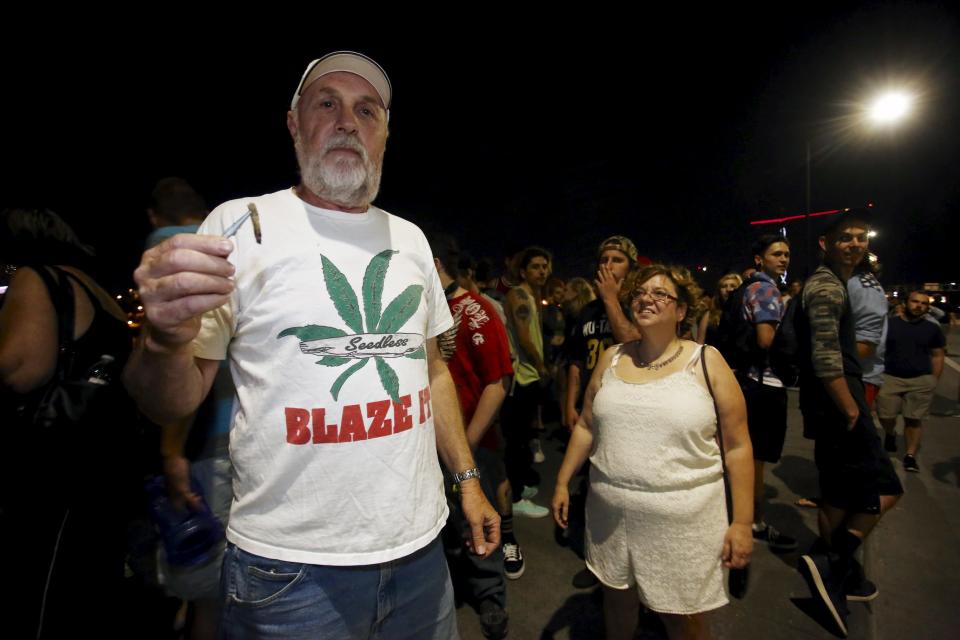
point(466, 475)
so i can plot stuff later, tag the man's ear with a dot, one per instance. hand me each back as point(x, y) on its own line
point(822, 241)
point(292, 124)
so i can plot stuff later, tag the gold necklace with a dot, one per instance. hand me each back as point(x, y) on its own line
point(660, 365)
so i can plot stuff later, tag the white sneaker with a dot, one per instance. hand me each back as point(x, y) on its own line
point(529, 510)
point(529, 493)
point(537, 450)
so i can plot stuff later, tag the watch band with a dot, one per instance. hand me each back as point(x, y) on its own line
point(466, 475)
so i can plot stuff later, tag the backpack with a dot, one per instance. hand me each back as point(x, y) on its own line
point(784, 353)
point(738, 339)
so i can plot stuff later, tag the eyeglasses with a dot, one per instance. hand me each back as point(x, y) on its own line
point(658, 295)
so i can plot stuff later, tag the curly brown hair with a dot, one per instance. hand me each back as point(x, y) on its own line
point(689, 292)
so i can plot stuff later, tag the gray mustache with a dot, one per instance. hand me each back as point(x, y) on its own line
point(343, 141)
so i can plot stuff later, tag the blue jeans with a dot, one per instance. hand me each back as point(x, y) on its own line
point(410, 598)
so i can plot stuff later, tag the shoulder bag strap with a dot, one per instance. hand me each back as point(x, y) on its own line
point(723, 457)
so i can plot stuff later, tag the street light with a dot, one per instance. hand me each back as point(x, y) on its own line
point(890, 107)
point(886, 109)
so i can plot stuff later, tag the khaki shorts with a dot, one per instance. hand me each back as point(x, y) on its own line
point(910, 396)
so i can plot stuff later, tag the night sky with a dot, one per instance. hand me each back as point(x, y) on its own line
point(676, 129)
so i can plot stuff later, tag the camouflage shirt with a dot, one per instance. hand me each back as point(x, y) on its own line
point(825, 300)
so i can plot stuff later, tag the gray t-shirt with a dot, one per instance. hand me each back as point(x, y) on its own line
point(869, 305)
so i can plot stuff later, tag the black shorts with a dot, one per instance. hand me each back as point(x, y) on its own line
point(766, 418)
point(854, 468)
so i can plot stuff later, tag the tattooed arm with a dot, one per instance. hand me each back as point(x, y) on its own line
point(520, 307)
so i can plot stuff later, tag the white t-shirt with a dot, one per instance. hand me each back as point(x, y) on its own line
point(332, 443)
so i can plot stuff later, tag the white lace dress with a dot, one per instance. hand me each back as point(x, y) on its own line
point(656, 513)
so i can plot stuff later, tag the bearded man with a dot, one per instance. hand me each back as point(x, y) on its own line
point(327, 308)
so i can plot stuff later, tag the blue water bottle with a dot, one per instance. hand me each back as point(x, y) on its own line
point(190, 538)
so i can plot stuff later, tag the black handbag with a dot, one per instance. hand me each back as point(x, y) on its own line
point(738, 578)
point(75, 413)
point(67, 398)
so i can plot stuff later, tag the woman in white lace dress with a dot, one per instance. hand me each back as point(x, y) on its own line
point(657, 527)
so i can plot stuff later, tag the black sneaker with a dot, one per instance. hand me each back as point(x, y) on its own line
point(863, 591)
point(856, 587)
point(890, 442)
point(776, 540)
point(825, 588)
point(493, 620)
point(910, 464)
point(584, 579)
point(512, 560)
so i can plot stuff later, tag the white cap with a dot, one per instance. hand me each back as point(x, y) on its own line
point(350, 62)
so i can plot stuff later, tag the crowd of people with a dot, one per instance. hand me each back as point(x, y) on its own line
point(360, 407)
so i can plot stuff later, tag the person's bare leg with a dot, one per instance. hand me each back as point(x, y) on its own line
point(912, 431)
point(829, 520)
point(504, 499)
point(206, 619)
point(887, 503)
point(889, 426)
point(758, 491)
point(859, 524)
point(688, 627)
point(621, 610)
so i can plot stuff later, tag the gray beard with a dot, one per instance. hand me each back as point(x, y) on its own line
point(344, 182)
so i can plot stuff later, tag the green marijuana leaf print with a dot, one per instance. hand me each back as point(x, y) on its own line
point(335, 389)
point(342, 295)
point(344, 299)
point(318, 332)
point(399, 311)
point(388, 378)
point(373, 286)
point(313, 332)
point(419, 354)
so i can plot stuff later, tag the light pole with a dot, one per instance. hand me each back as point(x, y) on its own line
point(809, 240)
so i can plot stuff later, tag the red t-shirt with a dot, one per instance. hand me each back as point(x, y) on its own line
point(482, 355)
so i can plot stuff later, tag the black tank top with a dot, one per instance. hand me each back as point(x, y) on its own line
point(106, 335)
point(103, 451)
